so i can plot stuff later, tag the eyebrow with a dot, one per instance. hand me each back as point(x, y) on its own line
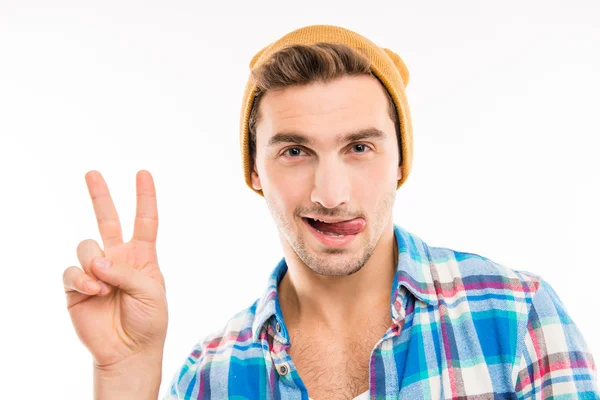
point(300, 138)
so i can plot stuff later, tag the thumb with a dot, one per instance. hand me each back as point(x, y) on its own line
point(124, 277)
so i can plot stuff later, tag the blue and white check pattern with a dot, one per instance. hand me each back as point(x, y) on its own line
point(464, 327)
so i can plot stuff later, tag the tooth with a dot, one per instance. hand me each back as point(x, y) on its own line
point(333, 234)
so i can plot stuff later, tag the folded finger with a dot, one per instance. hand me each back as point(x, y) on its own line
point(75, 280)
point(87, 250)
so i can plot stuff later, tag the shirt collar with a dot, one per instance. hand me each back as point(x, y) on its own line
point(413, 271)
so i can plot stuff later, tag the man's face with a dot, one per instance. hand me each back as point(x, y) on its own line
point(323, 177)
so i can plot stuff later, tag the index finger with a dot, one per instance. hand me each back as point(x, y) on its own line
point(104, 208)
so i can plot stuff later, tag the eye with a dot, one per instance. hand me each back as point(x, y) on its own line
point(293, 152)
point(296, 152)
point(363, 147)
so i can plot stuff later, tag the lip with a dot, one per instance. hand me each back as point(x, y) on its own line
point(329, 220)
point(330, 241)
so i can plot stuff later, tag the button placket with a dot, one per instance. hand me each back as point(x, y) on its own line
point(278, 354)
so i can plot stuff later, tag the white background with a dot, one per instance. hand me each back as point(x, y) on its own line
point(504, 97)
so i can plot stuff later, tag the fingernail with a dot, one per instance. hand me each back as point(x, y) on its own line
point(90, 286)
point(102, 263)
point(103, 288)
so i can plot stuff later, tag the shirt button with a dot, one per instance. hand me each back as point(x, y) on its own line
point(278, 327)
point(283, 370)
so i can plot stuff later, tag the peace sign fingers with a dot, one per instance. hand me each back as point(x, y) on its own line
point(104, 208)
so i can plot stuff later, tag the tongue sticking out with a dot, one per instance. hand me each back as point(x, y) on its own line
point(351, 227)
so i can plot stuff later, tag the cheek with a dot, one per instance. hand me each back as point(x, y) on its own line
point(289, 182)
point(377, 175)
point(372, 185)
point(288, 187)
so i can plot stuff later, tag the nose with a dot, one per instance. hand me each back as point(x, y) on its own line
point(331, 186)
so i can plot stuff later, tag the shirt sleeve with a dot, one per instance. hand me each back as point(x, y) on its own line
point(554, 361)
point(184, 384)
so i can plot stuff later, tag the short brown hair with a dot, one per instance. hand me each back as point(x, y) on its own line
point(305, 64)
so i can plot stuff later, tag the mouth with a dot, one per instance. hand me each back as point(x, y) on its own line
point(313, 224)
point(335, 234)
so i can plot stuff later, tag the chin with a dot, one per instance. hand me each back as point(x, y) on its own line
point(334, 262)
point(327, 268)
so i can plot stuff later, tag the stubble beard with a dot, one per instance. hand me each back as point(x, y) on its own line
point(326, 264)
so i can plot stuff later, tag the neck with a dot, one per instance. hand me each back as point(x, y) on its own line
point(316, 302)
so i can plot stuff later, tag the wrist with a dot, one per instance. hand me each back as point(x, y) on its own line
point(137, 377)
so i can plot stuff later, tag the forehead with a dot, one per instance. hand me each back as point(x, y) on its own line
point(325, 110)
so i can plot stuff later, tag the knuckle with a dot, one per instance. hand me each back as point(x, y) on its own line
point(86, 251)
point(115, 236)
point(65, 275)
point(85, 243)
point(70, 274)
point(147, 216)
point(81, 280)
point(104, 221)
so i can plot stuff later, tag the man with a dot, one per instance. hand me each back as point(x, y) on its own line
point(358, 307)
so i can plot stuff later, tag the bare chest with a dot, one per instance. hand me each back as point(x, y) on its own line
point(333, 370)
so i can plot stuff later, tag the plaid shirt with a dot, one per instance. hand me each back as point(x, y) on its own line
point(464, 327)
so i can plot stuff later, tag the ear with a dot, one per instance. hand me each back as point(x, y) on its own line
point(399, 172)
point(255, 179)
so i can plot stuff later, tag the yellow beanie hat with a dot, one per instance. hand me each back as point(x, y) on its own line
point(385, 64)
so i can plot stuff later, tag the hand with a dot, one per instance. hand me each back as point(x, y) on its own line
point(129, 315)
